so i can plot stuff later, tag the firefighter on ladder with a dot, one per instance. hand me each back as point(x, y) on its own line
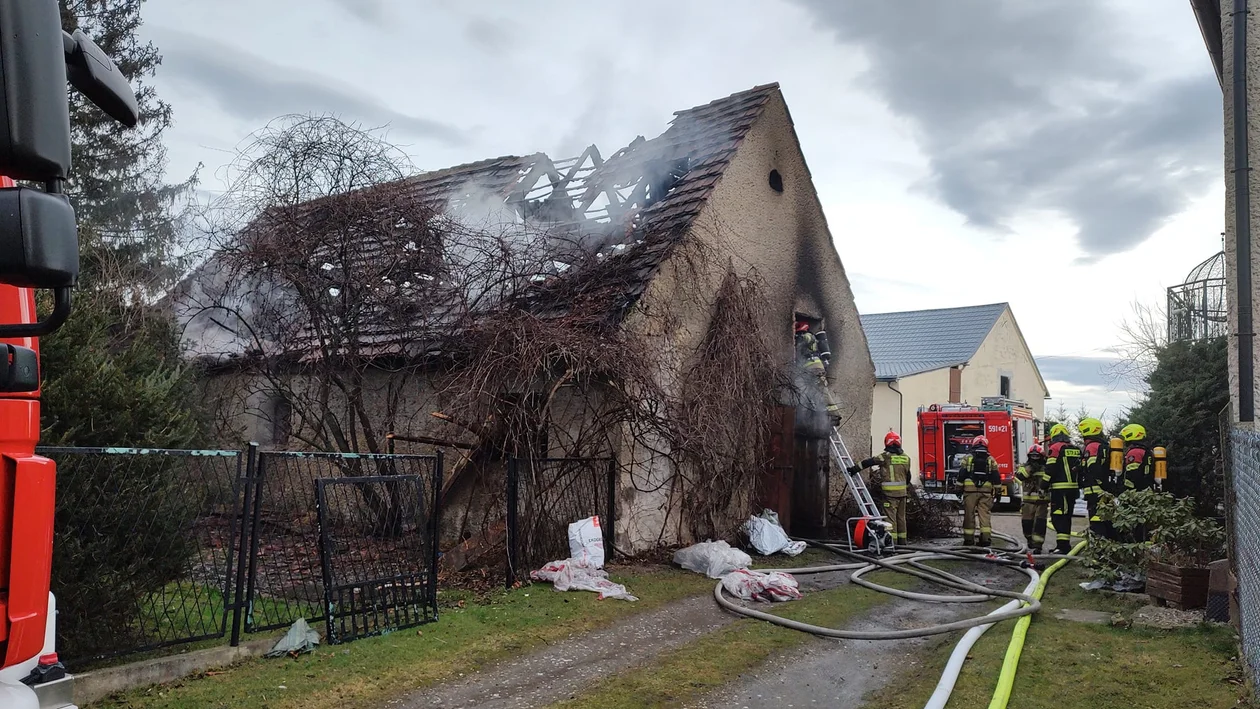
point(812, 361)
point(895, 465)
point(978, 476)
point(1063, 461)
point(1095, 471)
point(1035, 481)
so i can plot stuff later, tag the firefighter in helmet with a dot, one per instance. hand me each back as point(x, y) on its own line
point(1095, 470)
point(1063, 462)
point(895, 465)
point(811, 360)
point(1139, 472)
point(979, 476)
point(1035, 481)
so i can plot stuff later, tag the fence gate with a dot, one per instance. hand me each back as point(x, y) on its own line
point(377, 555)
point(284, 577)
point(545, 495)
point(155, 571)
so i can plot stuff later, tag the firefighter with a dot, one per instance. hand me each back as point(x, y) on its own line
point(812, 362)
point(1035, 481)
point(1063, 461)
point(895, 465)
point(1139, 473)
point(978, 475)
point(1095, 471)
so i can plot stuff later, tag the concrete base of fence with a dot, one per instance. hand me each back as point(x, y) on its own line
point(98, 684)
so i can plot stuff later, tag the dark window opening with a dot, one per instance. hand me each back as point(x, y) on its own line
point(776, 181)
point(955, 385)
point(281, 420)
point(1005, 387)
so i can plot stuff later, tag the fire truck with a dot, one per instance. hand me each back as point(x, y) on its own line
point(947, 430)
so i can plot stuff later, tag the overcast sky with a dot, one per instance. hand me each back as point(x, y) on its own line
point(1062, 155)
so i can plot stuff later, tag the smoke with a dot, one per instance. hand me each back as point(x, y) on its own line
point(811, 404)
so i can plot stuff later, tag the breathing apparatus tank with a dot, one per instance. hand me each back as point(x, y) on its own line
point(824, 347)
point(1117, 456)
point(1161, 465)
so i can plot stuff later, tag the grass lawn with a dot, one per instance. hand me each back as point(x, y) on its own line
point(365, 672)
point(1065, 663)
point(713, 660)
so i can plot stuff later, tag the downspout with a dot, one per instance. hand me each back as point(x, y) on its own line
point(900, 406)
point(1242, 219)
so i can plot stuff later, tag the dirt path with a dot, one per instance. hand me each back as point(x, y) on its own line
point(839, 673)
point(563, 669)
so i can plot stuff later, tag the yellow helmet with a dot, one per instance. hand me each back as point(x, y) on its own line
point(1133, 432)
point(1090, 427)
point(1058, 430)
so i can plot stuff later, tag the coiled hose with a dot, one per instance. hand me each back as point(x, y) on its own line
point(907, 563)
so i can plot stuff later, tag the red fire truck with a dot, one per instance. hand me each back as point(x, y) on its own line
point(946, 432)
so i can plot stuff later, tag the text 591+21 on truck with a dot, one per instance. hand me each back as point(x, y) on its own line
point(947, 430)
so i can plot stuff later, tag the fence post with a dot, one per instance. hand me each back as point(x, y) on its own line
point(325, 565)
point(260, 473)
point(610, 523)
point(511, 522)
point(435, 513)
point(238, 600)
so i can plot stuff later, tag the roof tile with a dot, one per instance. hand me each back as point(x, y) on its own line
point(916, 341)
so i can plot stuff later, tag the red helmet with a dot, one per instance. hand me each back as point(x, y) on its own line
point(802, 326)
point(892, 439)
point(979, 441)
point(1035, 449)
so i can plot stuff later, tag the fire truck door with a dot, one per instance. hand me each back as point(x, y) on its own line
point(1023, 439)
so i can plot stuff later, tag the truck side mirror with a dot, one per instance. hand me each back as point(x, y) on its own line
point(34, 107)
point(93, 73)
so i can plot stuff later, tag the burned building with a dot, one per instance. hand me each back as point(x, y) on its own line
point(666, 256)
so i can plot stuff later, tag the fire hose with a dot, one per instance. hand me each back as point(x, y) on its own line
point(908, 563)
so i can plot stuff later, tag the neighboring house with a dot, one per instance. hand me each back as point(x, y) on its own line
point(1235, 62)
point(951, 355)
point(730, 174)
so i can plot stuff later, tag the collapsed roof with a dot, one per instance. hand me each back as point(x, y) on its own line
point(627, 212)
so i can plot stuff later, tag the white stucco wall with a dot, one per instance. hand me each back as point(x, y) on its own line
point(1004, 353)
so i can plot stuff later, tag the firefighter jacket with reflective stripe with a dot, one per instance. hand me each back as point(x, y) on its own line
point(1095, 466)
point(1063, 460)
point(1035, 481)
point(896, 466)
point(1139, 473)
point(979, 472)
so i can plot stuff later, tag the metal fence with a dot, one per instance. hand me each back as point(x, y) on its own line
point(1243, 521)
point(155, 571)
point(218, 542)
point(379, 562)
point(284, 578)
point(545, 495)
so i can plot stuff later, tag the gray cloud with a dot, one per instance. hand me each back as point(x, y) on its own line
point(1033, 105)
point(250, 87)
point(370, 11)
point(1081, 371)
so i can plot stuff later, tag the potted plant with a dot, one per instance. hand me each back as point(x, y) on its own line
point(1160, 536)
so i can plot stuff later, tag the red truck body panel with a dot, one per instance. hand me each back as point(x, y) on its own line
point(946, 430)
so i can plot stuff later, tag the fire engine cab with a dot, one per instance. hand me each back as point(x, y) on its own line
point(946, 432)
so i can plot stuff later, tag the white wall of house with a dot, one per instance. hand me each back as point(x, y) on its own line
point(1004, 353)
point(919, 390)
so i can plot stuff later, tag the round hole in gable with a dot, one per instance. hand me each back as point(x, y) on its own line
point(776, 181)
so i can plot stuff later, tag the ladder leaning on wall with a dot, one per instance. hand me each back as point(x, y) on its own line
point(870, 516)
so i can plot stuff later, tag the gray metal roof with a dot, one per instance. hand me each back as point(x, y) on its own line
point(917, 341)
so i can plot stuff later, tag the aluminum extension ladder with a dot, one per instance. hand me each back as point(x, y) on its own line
point(871, 513)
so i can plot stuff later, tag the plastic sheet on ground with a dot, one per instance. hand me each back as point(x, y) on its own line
point(713, 559)
point(1126, 584)
point(767, 536)
point(300, 638)
point(761, 585)
point(571, 575)
point(586, 542)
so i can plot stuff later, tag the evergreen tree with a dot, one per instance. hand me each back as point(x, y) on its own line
point(112, 374)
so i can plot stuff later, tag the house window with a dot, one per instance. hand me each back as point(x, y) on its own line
point(776, 181)
point(955, 385)
point(279, 420)
point(1004, 386)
